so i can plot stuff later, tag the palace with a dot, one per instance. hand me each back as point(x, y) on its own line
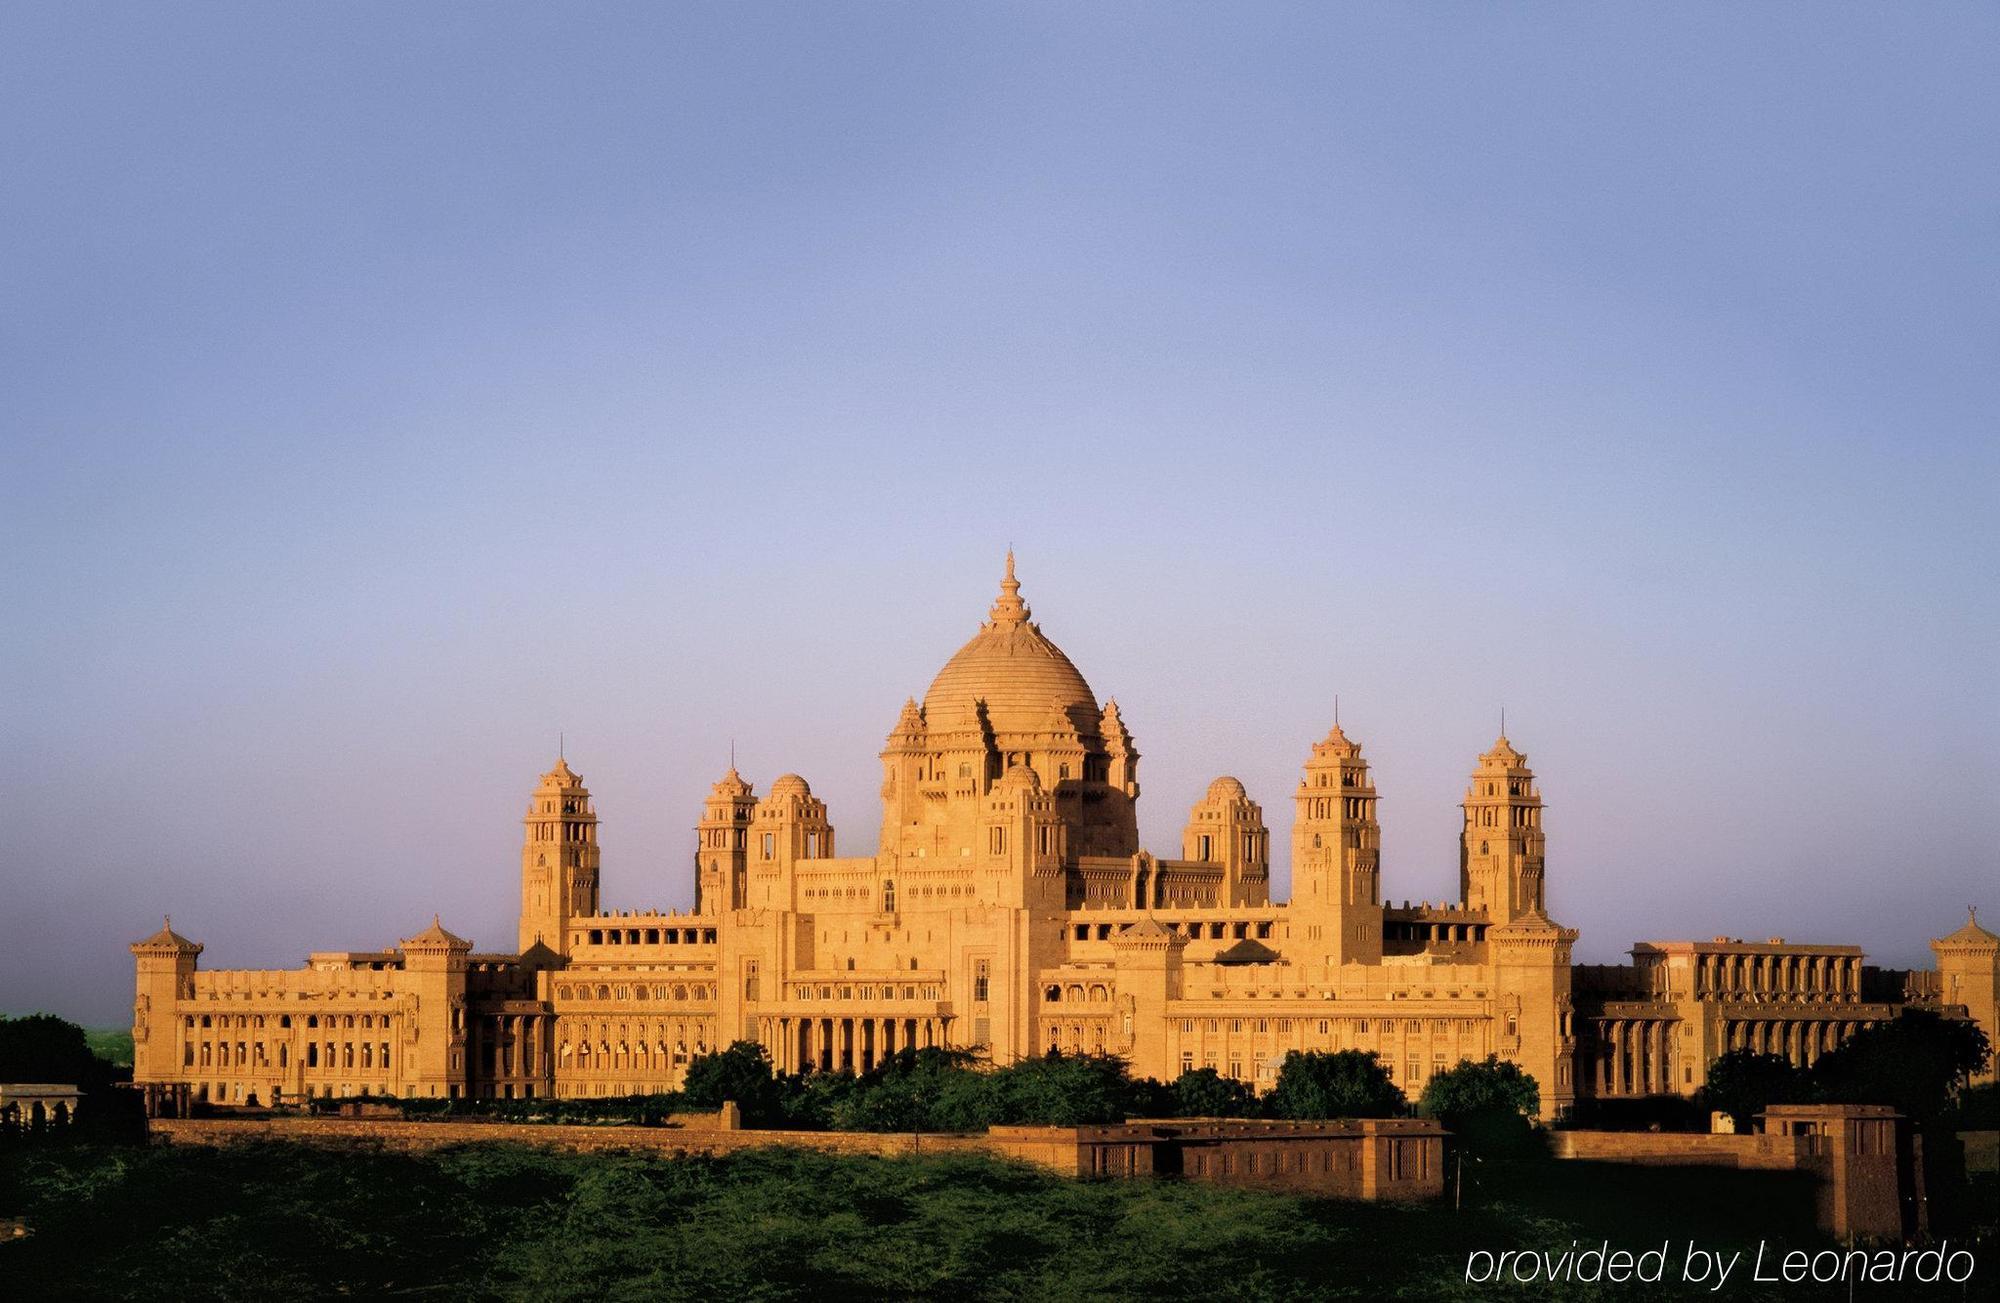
point(1011, 909)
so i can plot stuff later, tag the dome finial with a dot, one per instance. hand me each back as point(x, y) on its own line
point(1008, 608)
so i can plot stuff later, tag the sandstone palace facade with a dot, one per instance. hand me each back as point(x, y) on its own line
point(1011, 908)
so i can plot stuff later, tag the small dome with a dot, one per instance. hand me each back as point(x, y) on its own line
point(790, 785)
point(1020, 778)
point(731, 784)
point(1226, 788)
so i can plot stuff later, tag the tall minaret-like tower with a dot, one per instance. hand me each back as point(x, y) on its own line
point(1500, 851)
point(1337, 853)
point(722, 846)
point(559, 859)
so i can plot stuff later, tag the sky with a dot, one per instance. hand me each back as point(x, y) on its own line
point(386, 391)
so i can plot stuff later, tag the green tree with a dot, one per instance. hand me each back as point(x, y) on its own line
point(1204, 1092)
point(1061, 1091)
point(43, 1047)
point(1918, 1063)
point(1743, 1083)
point(1344, 1084)
point(742, 1073)
point(909, 1092)
point(1489, 1106)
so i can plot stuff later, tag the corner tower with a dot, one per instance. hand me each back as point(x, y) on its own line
point(1969, 967)
point(559, 859)
point(166, 965)
point(1337, 853)
point(1500, 849)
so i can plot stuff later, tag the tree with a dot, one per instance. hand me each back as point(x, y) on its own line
point(1490, 1106)
point(1919, 1062)
point(43, 1047)
point(915, 1090)
point(1743, 1083)
point(1345, 1084)
point(1206, 1093)
point(742, 1073)
point(1061, 1091)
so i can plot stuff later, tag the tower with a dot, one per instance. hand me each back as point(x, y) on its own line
point(434, 1048)
point(1226, 827)
point(1500, 850)
point(1337, 853)
point(722, 846)
point(166, 963)
point(1969, 970)
point(559, 859)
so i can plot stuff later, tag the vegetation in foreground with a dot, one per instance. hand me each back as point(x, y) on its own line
point(506, 1222)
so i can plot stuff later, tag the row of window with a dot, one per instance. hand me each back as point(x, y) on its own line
point(803, 992)
point(625, 991)
point(254, 1054)
point(243, 1020)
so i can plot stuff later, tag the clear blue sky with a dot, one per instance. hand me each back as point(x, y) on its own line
point(386, 388)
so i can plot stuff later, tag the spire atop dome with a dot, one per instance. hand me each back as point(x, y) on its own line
point(1008, 608)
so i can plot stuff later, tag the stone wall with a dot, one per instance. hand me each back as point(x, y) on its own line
point(670, 1141)
point(1397, 1158)
point(1682, 1149)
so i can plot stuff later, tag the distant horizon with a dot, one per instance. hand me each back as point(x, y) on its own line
point(396, 391)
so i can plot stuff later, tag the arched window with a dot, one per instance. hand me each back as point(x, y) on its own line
point(888, 896)
point(1053, 994)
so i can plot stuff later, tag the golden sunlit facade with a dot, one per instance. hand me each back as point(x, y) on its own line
point(1010, 908)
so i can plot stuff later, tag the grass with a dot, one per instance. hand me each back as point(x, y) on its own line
point(495, 1221)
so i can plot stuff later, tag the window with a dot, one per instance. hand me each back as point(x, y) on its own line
point(770, 845)
point(982, 981)
point(888, 896)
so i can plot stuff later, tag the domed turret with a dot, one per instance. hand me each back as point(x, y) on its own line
point(1227, 828)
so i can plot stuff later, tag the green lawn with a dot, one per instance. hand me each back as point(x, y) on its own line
point(499, 1221)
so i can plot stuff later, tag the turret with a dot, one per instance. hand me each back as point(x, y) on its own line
point(722, 846)
point(1026, 843)
point(434, 1048)
point(1969, 975)
point(1226, 827)
point(1337, 853)
point(789, 825)
point(166, 964)
point(1500, 850)
point(559, 859)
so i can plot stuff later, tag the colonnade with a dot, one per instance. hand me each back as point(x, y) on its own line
point(1635, 1056)
point(847, 1044)
point(1796, 1039)
point(1820, 975)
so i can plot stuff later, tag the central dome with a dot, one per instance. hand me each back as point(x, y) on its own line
point(1023, 678)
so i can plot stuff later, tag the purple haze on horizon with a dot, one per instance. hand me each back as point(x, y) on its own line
point(388, 390)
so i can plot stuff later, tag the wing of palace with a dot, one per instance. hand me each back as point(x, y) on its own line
point(1010, 908)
